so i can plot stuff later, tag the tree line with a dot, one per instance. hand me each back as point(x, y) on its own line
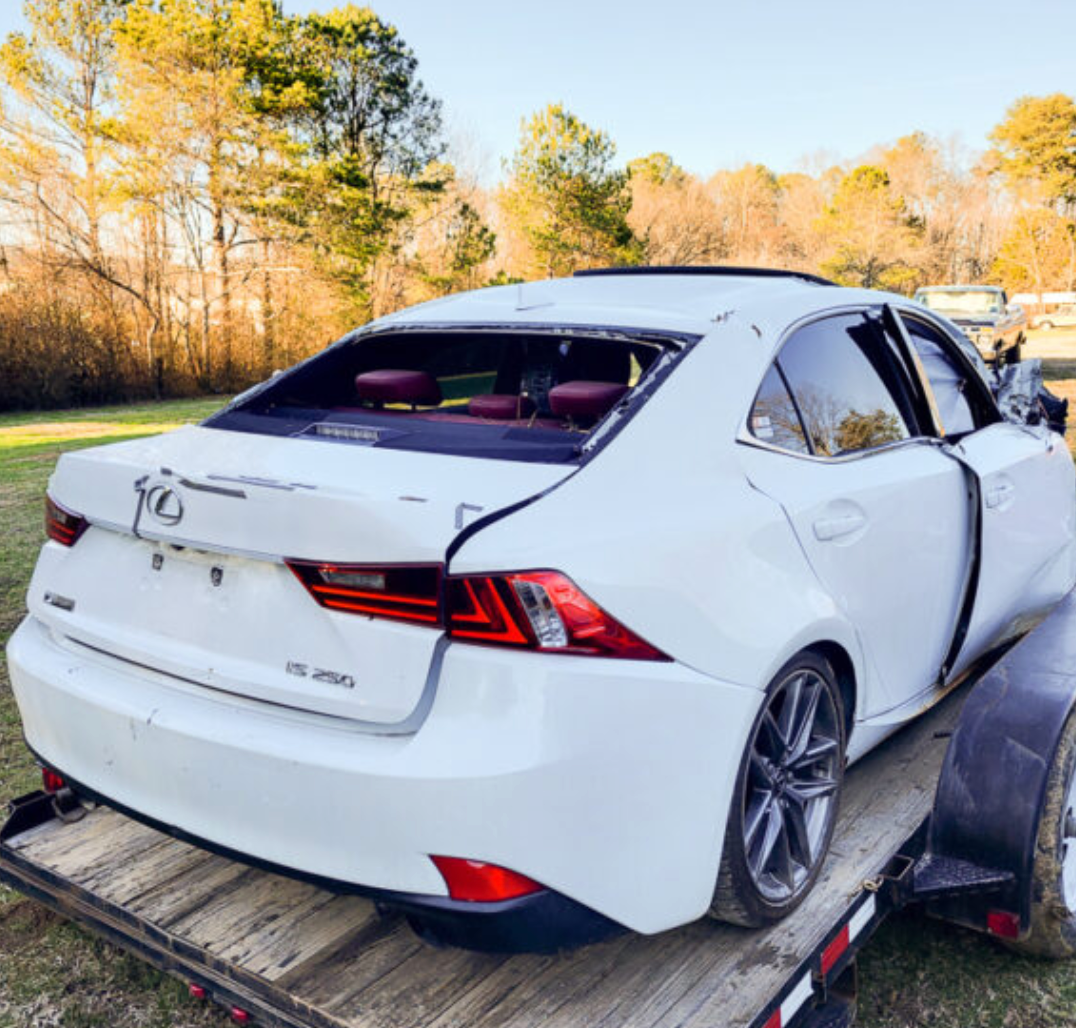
point(194, 193)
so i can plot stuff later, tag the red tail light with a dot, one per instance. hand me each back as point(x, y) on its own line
point(405, 592)
point(542, 610)
point(485, 609)
point(62, 525)
point(1003, 924)
point(482, 883)
point(537, 610)
point(51, 781)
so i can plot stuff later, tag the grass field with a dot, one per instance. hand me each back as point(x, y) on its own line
point(915, 973)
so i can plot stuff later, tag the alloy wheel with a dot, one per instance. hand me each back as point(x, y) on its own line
point(790, 790)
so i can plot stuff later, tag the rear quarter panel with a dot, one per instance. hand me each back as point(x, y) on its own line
point(664, 531)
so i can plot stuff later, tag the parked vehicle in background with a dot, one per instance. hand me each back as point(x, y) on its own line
point(1063, 317)
point(985, 315)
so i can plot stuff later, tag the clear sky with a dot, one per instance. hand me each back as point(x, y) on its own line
point(719, 83)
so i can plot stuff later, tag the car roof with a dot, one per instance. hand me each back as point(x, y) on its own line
point(657, 299)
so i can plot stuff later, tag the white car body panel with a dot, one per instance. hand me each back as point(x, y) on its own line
point(300, 497)
point(888, 535)
point(293, 498)
point(556, 739)
point(607, 780)
point(1028, 528)
point(225, 638)
point(721, 581)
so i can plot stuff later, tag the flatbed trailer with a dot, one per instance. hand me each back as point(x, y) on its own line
point(919, 823)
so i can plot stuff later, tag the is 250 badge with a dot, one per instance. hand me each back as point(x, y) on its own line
point(319, 674)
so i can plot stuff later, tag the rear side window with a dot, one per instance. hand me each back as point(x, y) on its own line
point(845, 384)
point(774, 418)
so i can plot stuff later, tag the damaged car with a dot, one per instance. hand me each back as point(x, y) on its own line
point(544, 611)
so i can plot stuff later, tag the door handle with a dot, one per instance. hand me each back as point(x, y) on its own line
point(1000, 494)
point(826, 529)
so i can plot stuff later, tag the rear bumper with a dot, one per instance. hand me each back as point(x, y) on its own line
point(606, 781)
point(541, 922)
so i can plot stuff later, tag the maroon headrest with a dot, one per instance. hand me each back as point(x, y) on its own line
point(388, 386)
point(501, 406)
point(585, 399)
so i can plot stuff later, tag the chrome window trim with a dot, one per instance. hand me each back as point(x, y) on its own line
point(746, 439)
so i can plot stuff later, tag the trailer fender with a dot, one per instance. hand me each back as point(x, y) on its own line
point(992, 790)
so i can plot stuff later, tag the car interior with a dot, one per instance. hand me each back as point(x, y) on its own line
point(421, 389)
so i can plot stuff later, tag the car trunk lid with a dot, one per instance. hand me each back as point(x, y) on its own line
point(183, 568)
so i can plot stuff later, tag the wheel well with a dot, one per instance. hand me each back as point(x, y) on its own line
point(841, 663)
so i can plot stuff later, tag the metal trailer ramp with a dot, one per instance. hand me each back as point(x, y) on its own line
point(290, 954)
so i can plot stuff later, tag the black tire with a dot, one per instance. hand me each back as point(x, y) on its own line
point(1015, 353)
point(785, 800)
point(1053, 887)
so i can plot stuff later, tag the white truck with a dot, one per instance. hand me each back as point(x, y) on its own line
point(997, 327)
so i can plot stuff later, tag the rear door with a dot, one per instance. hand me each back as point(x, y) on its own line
point(880, 511)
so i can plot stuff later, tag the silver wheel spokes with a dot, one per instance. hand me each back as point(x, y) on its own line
point(791, 786)
point(1068, 849)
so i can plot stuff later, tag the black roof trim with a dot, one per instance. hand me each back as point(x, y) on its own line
point(704, 269)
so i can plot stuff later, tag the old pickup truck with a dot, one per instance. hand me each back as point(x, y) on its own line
point(996, 327)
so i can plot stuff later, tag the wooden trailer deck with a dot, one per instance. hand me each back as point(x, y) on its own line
point(295, 955)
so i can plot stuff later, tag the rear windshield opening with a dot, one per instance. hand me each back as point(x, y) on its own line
point(513, 395)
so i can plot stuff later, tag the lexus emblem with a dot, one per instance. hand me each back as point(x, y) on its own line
point(164, 505)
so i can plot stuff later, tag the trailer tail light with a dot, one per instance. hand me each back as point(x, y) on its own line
point(540, 610)
point(62, 525)
point(51, 781)
point(478, 882)
point(404, 592)
point(241, 1016)
point(197, 991)
point(1003, 924)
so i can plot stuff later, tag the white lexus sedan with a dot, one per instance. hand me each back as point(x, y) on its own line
point(544, 610)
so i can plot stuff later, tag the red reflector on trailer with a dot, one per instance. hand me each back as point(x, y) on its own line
point(197, 991)
point(479, 882)
point(241, 1016)
point(774, 1020)
point(835, 950)
point(51, 781)
point(1003, 924)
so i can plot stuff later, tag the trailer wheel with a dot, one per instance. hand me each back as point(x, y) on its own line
point(784, 804)
point(1053, 896)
